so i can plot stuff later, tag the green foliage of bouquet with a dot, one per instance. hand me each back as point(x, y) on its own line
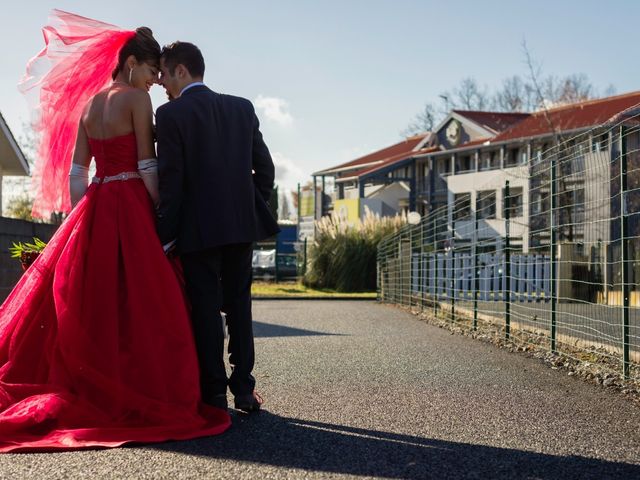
point(27, 252)
point(343, 254)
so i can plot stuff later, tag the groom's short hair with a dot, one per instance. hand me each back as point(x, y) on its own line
point(184, 53)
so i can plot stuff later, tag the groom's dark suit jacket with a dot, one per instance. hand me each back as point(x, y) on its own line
point(216, 173)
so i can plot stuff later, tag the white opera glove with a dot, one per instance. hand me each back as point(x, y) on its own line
point(148, 170)
point(78, 182)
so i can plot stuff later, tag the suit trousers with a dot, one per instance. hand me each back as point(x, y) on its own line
point(219, 279)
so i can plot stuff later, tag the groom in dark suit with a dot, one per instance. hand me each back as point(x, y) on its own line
point(216, 177)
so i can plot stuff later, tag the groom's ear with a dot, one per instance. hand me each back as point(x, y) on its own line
point(181, 71)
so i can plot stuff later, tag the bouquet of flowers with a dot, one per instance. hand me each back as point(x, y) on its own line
point(27, 252)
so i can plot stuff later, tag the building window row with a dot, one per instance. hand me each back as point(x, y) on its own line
point(486, 204)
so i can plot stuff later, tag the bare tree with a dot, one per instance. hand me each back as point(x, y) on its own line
point(425, 121)
point(575, 88)
point(534, 76)
point(470, 96)
point(610, 90)
point(515, 95)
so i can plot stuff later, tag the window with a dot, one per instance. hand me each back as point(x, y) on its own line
point(538, 152)
point(536, 158)
point(514, 201)
point(511, 157)
point(464, 163)
point(462, 206)
point(539, 202)
point(444, 166)
point(486, 204)
point(578, 199)
point(600, 143)
point(522, 156)
point(490, 160)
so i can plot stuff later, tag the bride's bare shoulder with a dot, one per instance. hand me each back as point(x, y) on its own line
point(138, 99)
point(95, 104)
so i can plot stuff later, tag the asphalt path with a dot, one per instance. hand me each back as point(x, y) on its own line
point(355, 389)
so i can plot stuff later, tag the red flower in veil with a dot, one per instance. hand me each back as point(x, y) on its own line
point(76, 63)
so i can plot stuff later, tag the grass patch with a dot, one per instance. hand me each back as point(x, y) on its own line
point(298, 290)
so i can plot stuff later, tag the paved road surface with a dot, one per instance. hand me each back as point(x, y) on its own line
point(357, 389)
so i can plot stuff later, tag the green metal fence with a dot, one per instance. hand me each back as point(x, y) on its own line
point(547, 251)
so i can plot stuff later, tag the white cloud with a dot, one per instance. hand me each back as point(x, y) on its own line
point(288, 174)
point(274, 109)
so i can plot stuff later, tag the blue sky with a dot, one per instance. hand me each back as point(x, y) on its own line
point(333, 80)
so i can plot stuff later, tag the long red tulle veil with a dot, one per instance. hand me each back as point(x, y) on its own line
point(75, 64)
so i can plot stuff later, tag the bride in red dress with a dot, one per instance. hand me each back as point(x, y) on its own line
point(96, 346)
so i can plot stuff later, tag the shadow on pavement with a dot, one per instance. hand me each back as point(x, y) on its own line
point(277, 441)
point(263, 330)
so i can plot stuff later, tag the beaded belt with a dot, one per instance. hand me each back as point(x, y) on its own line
point(113, 178)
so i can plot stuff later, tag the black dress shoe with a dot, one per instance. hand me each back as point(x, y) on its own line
point(219, 401)
point(248, 403)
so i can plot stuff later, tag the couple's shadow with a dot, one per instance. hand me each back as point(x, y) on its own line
point(279, 441)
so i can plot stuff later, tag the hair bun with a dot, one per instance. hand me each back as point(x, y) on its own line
point(145, 31)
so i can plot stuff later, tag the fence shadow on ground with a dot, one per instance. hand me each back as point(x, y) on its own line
point(277, 441)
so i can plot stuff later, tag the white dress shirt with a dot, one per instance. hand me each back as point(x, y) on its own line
point(194, 84)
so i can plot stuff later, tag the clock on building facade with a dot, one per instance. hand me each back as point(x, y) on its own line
point(453, 132)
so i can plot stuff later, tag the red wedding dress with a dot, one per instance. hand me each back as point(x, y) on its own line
point(96, 346)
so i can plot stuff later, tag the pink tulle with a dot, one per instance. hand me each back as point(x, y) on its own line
point(75, 64)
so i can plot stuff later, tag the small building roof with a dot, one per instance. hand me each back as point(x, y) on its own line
point(404, 147)
point(12, 160)
point(395, 159)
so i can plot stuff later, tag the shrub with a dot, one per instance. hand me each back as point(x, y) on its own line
point(343, 254)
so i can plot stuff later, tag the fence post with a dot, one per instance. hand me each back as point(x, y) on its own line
point(378, 258)
point(397, 287)
point(422, 266)
point(276, 260)
point(553, 247)
point(507, 263)
point(304, 265)
point(409, 283)
point(625, 253)
point(453, 271)
point(435, 266)
point(476, 273)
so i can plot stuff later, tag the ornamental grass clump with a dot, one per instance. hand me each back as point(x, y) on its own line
point(343, 254)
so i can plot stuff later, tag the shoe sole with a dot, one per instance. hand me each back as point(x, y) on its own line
point(247, 408)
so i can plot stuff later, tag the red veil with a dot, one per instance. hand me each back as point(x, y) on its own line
point(76, 63)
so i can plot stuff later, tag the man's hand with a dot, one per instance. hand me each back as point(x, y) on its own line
point(169, 248)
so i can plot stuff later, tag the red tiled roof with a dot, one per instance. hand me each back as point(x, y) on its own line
point(388, 161)
point(496, 121)
point(570, 117)
point(401, 148)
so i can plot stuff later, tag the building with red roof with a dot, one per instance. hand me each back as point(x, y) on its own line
point(463, 166)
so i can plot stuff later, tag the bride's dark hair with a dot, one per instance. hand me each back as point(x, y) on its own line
point(142, 46)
